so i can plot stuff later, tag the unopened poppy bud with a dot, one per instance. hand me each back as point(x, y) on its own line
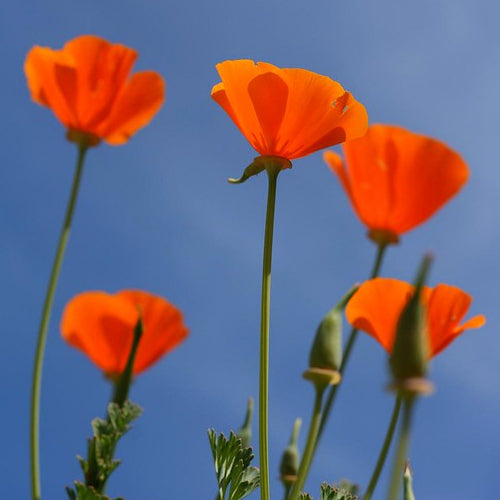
point(407, 482)
point(245, 431)
point(326, 351)
point(410, 353)
point(289, 465)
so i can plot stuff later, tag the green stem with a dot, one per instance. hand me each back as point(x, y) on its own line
point(348, 348)
point(264, 335)
point(383, 452)
point(305, 463)
point(122, 386)
point(288, 487)
point(402, 450)
point(44, 323)
point(120, 394)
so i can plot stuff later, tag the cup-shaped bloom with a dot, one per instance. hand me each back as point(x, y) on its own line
point(287, 112)
point(377, 305)
point(396, 179)
point(88, 86)
point(102, 326)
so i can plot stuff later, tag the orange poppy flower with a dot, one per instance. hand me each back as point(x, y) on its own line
point(102, 326)
point(287, 112)
point(87, 86)
point(377, 305)
point(397, 179)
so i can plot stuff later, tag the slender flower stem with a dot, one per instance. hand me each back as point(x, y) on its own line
point(288, 487)
point(122, 385)
point(44, 323)
point(402, 450)
point(93, 476)
point(383, 452)
point(348, 348)
point(323, 416)
point(264, 336)
point(305, 463)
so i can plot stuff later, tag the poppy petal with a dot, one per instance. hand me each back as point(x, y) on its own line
point(376, 307)
point(100, 325)
point(398, 179)
point(287, 112)
point(87, 86)
point(40, 69)
point(139, 101)
point(163, 325)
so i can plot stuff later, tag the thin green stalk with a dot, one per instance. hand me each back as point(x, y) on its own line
point(305, 463)
point(348, 348)
point(288, 487)
point(402, 450)
point(120, 395)
point(264, 336)
point(383, 452)
point(44, 323)
point(122, 385)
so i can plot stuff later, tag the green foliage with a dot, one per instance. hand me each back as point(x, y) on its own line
point(83, 492)
point(329, 492)
point(346, 485)
point(232, 466)
point(101, 447)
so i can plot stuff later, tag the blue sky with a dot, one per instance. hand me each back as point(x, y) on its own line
point(158, 214)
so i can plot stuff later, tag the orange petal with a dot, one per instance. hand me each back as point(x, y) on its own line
point(236, 76)
point(100, 325)
point(102, 70)
point(434, 173)
point(398, 179)
point(44, 72)
point(269, 95)
point(336, 164)
point(135, 107)
point(447, 306)
point(163, 327)
point(376, 306)
point(287, 112)
point(87, 86)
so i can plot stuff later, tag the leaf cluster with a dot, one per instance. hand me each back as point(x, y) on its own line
point(100, 462)
point(329, 492)
point(232, 461)
point(83, 492)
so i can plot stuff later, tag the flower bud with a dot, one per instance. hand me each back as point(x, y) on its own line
point(245, 431)
point(289, 465)
point(410, 352)
point(326, 351)
point(407, 482)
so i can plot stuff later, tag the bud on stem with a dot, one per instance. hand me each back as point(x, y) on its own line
point(326, 351)
point(409, 357)
point(290, 459)
point(245, 431)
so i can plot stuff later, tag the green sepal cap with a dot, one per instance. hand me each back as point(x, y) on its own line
point(245, 431)
point(408, 361)
point(326, 351)
point(83, 139)
point(290, 460)
point(408, 483)
point(261, 163)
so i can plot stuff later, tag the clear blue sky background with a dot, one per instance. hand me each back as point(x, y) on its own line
point(158, 214)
